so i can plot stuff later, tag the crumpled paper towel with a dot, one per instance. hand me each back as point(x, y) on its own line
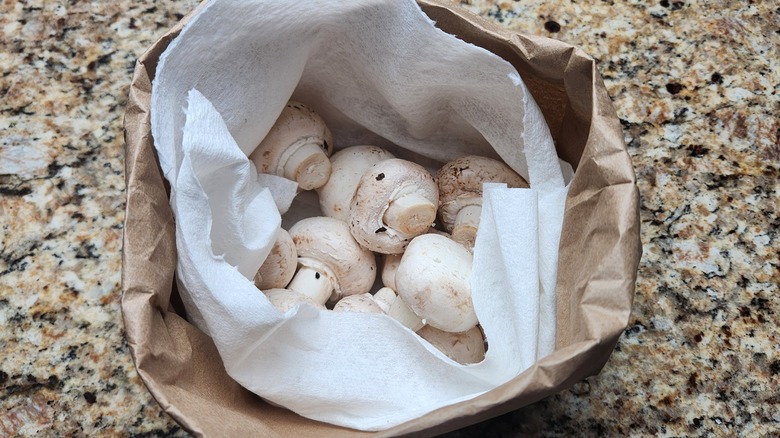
point(378, 71)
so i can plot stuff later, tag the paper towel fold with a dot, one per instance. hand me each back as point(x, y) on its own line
point(375, 69)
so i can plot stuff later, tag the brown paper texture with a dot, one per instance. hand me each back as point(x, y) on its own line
point(598, 255)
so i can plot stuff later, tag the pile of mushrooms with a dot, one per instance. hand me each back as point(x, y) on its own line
point(375, 204)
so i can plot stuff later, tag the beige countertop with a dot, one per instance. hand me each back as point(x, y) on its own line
point(695, 84)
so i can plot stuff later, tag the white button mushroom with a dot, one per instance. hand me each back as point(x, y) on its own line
point(347, 167)
point(279, 267)
point(465, 348)
point(397, 309)
point(363, 303)
point(297, 147)
point(460, 193)
point(395, 201)
point(286, 299)
point(330, 262)
point(433, 279)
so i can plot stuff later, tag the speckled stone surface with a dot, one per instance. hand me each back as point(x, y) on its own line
point(695, 85)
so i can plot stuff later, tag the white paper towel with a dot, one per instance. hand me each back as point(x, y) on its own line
point(376, 70)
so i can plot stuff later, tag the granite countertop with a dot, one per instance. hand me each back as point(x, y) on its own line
point(695, 85)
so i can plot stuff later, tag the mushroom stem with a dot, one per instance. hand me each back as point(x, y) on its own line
point(397, 309)
point(410, 214)
point(464, 231)
point(390, 264)
point(384, 297)
point(311, 282)
point(308, 165)
point(403, 314)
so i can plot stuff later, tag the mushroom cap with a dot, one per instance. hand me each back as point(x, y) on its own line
point(433, 279)
point(329, 241)
point(347, 167)
point(297, 125)
point(363, 303)
point(389, 263)
point(383, 183)
point(460, 183)
point(286, 299)
point(465, 347)
point(279, 267)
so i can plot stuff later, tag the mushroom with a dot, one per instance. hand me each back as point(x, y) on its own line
point(460, 193)
point(297, 147)
point(286, 299)
point(395, 201)
point(363, 303)
point(279, 267)
point(397, 309)
point(433, 279)
point(347, 167)
point(465, 347)
point(330, 262)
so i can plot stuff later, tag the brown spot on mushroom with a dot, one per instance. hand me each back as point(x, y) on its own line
point(380, 230)
point(380, 177)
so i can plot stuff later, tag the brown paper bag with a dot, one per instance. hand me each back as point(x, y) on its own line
point(598, 257)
